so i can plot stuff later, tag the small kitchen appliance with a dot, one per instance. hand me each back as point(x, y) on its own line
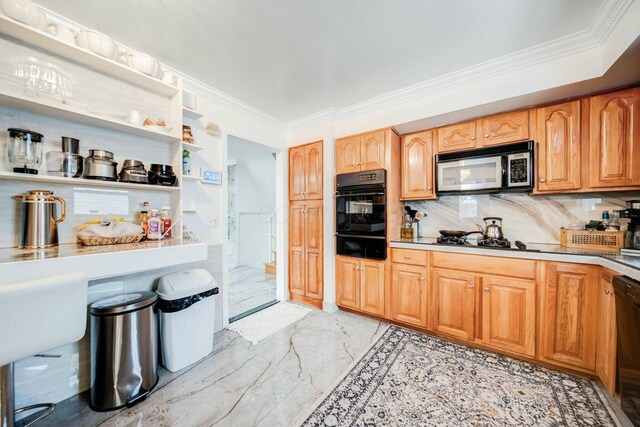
point(24, 150)
point(38, 222)
point(162, 175)
point(486, 170)
point(632, 236)
point(100, 165)
point(133, 171)
point(66, 162)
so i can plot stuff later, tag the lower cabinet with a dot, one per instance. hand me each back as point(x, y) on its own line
point(453, 303)
point(408, 294)
point(360, 284)
point(568, 323)
point(607, 333)
point(305, 252)
point(509, 314)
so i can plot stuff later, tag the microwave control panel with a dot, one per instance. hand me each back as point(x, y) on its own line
point(519, 169)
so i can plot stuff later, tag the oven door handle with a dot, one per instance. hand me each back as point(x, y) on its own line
point(362, 236)
point(380, 193)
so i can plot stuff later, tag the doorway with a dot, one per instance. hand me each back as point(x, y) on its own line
point(251, 235)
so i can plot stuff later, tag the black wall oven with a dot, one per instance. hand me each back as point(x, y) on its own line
point(361, 206)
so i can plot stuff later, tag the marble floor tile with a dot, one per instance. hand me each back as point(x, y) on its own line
point(273, 383)
point(249, 287)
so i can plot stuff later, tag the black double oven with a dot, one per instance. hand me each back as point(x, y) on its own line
point(361, 206)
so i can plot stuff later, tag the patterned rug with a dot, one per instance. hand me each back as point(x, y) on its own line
point(411, 379)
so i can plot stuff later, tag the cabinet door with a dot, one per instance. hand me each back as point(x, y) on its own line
point(313, 171)
point(372, 151)
point(409, 294)
point(417, 166)
point(505, 128)
point(348, 282)
point(313, 250)
point(607, 334)
point(296, 173)
point(509, 314)
point(568, 315)
point(372, 287)
point(297, 271)
point(559, 150)
point(461, 136)
point(348, 155)
point(614, 140)
point(453, 294)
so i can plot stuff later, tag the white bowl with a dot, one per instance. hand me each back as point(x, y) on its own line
point(97, 43)
point(144, 63)
point(26, 12)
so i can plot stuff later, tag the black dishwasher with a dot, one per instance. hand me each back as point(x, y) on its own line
point(628, 321)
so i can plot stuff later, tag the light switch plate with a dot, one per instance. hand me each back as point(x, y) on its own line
point(211, 177)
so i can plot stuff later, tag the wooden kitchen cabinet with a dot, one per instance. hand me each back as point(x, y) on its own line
point(614, 140)
point(305, 172)
point(305, 252)
point(408, 294)
point(417, 167)
point(568, 322)
point(458, 137)
point(559, 148)
point(364, 152)
point(509, 314)
point(505, 128)
point(607, 333)
point(360, 284)
point(453, 303)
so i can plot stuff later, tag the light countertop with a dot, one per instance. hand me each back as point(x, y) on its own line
point(623, 264)
point(97, 261)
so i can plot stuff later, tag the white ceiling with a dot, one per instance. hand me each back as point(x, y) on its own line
point(292, 58)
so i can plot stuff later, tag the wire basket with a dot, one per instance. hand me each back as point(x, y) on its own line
point(603, 240)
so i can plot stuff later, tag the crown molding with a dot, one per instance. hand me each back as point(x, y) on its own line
point(321, 117)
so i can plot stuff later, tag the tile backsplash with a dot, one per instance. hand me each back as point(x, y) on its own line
point(525, 217)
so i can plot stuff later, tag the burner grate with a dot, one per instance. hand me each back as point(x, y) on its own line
point(494, 243)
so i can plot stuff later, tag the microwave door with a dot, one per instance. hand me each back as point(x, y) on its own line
point(483, 173)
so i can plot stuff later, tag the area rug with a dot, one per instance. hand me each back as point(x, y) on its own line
point(267, 322)
point(411, 379)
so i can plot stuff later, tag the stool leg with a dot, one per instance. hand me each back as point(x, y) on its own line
point(7, 410)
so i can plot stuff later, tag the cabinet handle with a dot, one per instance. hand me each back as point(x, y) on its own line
point(407, 257)
point(486, 289)
point(609, 291)
point(471, 287)
point(472, 138)
point(543, 180)
point(486, 135)
point(422, 279)
point(428, 188)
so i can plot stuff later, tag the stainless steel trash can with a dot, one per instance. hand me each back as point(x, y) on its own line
point(124, 350)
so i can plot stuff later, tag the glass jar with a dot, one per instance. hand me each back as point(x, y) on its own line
point(406, 232)
point(24, 150)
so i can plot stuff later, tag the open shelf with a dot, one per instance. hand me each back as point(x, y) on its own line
point(191, 114)
point(49, 43)
point(66, 112)
point(81, 182)
point(191, 147)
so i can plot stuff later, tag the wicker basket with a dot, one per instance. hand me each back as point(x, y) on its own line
point(603, 240)
point(98, 241)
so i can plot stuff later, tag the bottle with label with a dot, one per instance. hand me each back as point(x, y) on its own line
point(186, 162)
point(166, 221)
point(144, 217)
point(154, 231)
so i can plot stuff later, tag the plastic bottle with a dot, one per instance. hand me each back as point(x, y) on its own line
point(166, 221)
point(186, 162)
point(154, 231)
point(144, 217)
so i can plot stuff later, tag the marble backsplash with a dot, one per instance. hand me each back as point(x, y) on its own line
point(527, 218)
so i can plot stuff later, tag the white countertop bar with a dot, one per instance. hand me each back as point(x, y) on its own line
point(97, 262)
point(622, 264)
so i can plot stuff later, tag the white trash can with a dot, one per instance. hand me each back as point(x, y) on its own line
point(187, 315)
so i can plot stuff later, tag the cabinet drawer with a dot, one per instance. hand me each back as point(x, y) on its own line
point(409, 256)
point(521, 268)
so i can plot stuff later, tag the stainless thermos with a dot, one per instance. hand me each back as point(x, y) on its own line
point(38, 222)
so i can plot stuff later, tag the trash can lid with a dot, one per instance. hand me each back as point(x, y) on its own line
point(123, 303)
point(185, 283)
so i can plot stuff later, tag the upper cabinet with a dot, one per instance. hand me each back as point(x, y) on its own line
point(505, 128)
point(461, 136)
point(305, 172)
point(614, 140)
point(365, 152)
point(417, 166)
point(559, 147)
